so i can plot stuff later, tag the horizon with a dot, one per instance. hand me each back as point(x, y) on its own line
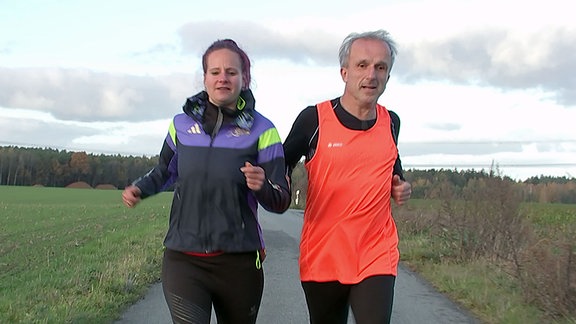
point(485, 169)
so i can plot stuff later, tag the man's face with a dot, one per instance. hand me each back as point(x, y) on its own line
point(368, 70)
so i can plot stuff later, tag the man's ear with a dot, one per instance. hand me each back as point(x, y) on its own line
point(344, 74)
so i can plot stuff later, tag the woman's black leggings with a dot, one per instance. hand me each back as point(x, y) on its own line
point(232, 283)
point(371, 300)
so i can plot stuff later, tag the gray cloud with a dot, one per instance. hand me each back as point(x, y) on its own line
point(57, 135)
point(7, 47)
point(477, 148)
point(38, 133)
point(84, 95)
point(313, 47)
point(444, 126)
point(490, 58)
point(158, 50)
point(496, 58)
point(457, 148)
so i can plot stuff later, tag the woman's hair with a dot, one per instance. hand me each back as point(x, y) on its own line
point(232, 46)
point(382, 35)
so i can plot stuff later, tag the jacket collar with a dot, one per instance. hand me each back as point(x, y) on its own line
point(196, 105)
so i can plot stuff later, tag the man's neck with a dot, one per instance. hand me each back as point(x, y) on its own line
point(360, 110)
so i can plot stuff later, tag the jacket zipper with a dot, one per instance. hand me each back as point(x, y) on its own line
point(213, 134)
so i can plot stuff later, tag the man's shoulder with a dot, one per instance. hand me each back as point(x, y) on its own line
point(308, 111)
point(394, 116)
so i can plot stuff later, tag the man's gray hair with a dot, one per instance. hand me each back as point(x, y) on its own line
point(344, 53)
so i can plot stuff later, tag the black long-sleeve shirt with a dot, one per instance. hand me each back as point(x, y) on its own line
point(303, 137)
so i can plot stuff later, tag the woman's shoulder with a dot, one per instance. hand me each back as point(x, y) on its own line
point(261, 119)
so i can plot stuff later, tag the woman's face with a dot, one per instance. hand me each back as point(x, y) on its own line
point(223, 78)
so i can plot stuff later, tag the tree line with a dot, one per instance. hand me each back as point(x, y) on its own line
point(23, 166)
point(432, 184)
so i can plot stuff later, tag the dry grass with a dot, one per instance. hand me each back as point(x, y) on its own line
point(485, 249)
point(79, 185)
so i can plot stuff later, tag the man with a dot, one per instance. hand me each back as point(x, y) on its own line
point(349, 244)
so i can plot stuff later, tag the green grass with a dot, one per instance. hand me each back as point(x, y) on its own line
point(80, 256)
point(552, 219)
point(483, 289)
point(76, 255)
point(487, 290)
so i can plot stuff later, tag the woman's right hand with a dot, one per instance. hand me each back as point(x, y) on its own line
point(131, 196)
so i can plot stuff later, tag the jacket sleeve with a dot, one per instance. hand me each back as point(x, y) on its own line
point(299, 140)
point(275, 195)
point(162, 176)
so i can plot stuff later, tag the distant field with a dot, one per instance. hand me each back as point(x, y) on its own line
point(551, 216)
point(76, 255)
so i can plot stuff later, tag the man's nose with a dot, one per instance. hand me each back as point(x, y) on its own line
point(371, 73)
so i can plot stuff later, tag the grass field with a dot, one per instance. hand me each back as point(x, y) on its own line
point(76, 255)
point(80, 256)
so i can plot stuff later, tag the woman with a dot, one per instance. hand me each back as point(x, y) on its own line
point(223, 158)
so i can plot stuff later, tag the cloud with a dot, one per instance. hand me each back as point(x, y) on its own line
point(444, 126)
point(497, 58)
point(159, 50)
point(84, 95)
point(311, 47)
point(40, 133)
point(457, 148)
point(21, 128)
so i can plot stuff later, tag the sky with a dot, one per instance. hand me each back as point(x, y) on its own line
point(477, 84)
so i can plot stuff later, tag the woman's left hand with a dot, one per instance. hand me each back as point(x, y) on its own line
point(255, 176)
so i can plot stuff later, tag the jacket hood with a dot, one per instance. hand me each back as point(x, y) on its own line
point(196, 105)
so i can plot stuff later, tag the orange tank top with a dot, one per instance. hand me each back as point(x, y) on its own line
point(348, 232)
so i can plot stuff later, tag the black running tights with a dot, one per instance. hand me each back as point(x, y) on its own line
point(232, 283)
point(370, 300)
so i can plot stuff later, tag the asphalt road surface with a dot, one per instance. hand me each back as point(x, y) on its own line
point(283, 302)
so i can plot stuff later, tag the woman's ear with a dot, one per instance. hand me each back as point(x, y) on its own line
point(244, 82)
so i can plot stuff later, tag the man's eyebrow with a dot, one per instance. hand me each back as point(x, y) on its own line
point(365, 61)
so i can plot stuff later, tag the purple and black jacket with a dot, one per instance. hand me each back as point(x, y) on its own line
point(212, 208)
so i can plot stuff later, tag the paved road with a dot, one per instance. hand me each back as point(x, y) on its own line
point(283, 301)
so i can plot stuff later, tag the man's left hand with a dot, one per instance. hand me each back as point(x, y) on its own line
point(401, 190)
